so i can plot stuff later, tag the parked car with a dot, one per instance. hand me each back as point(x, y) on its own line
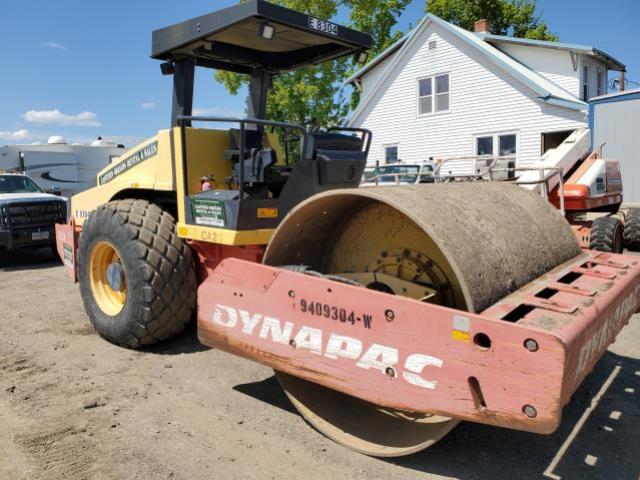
point(28, 214)
point(399, 174)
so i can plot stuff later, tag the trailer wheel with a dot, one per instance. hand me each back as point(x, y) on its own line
point(632, 230)
point(607, 235)
point(137, 277)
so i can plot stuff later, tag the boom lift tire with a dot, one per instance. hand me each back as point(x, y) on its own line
point(607, 235)
point(137, 277)
point(632, 230)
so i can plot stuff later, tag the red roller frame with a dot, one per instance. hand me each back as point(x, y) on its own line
point(514, 365)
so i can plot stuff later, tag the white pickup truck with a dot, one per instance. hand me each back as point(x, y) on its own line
point(28, 214)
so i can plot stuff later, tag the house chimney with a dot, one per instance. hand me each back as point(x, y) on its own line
point(482, 26)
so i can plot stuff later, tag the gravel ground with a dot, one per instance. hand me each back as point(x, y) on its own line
point(72, 406)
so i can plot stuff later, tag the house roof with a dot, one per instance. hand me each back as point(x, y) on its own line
point(611, 62)
point(549, 91)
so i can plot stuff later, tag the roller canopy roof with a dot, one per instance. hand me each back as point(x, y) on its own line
point(230, 39)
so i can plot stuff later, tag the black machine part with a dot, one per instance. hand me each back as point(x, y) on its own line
point(329, 159)
point(262, 40)
point(230, 39)
point(256, 38)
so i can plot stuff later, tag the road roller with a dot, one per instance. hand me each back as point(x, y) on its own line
point(389, 315)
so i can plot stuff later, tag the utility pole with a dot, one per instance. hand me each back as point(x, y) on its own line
point(621, 81)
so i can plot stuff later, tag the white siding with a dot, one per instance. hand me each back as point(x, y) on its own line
point(484, 99)
point(555, 65)
point(592, 79)
point(615, 123)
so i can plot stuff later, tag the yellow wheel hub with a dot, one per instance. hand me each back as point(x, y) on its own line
point(107, 278)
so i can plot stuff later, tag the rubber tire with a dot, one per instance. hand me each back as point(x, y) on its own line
point(159, 268)
point(607, 235)
point(632, 230)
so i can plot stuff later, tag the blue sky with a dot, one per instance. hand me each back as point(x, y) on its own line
point(81, 68)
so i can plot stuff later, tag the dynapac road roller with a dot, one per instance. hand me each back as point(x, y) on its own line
point(388, 314)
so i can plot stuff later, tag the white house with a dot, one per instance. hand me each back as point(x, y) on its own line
point(443, 91)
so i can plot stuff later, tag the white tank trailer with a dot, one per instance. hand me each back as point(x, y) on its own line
point(59, 167)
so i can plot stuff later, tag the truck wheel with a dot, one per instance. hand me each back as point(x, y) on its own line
point(607, 235)
point(632, 230)
point(137, 277)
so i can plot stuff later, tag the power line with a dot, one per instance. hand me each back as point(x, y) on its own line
point(614, 83)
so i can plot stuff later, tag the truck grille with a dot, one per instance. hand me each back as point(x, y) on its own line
point(33, 214)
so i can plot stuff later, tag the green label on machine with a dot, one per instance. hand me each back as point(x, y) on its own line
point(68, 255)
point(131, 161)
point(208, 212)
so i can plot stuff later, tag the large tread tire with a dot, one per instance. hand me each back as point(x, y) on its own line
point(607, 235)
point(159, 268)
point(632, 230)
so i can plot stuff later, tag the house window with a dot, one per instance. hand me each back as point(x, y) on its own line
point(425, 94)
point(433, 94)
point(484, 146)
point(600, 82)
point(442, 93)
point(585, 83)
point(504, 146)
point(507, 145)
point(391, 154)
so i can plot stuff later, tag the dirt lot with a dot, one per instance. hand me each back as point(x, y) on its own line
point(73, 406)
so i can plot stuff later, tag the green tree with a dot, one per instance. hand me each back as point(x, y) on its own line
point(318, 93)
point(508, 17)
point(378, 19)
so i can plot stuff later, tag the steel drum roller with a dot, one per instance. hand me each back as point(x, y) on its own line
point(468, 245)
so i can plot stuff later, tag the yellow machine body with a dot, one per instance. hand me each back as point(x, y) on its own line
point(156, 165)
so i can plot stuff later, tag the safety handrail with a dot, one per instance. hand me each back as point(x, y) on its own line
point(397, 176)
point(442, 161)
point(254, 121)
point(544, 178)
point(367, 135)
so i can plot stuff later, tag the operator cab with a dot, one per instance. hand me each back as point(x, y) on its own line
point(260, 168)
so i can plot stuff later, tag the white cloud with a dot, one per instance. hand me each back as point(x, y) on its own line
point(56, 117)
point(16, 135)
point(148, 105)
point(57, 46)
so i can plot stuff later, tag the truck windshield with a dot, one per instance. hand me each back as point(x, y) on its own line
point(18, 184)
point(398, 173)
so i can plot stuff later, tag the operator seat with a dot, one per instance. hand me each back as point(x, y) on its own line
point(256, 158)
point(341, 158)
